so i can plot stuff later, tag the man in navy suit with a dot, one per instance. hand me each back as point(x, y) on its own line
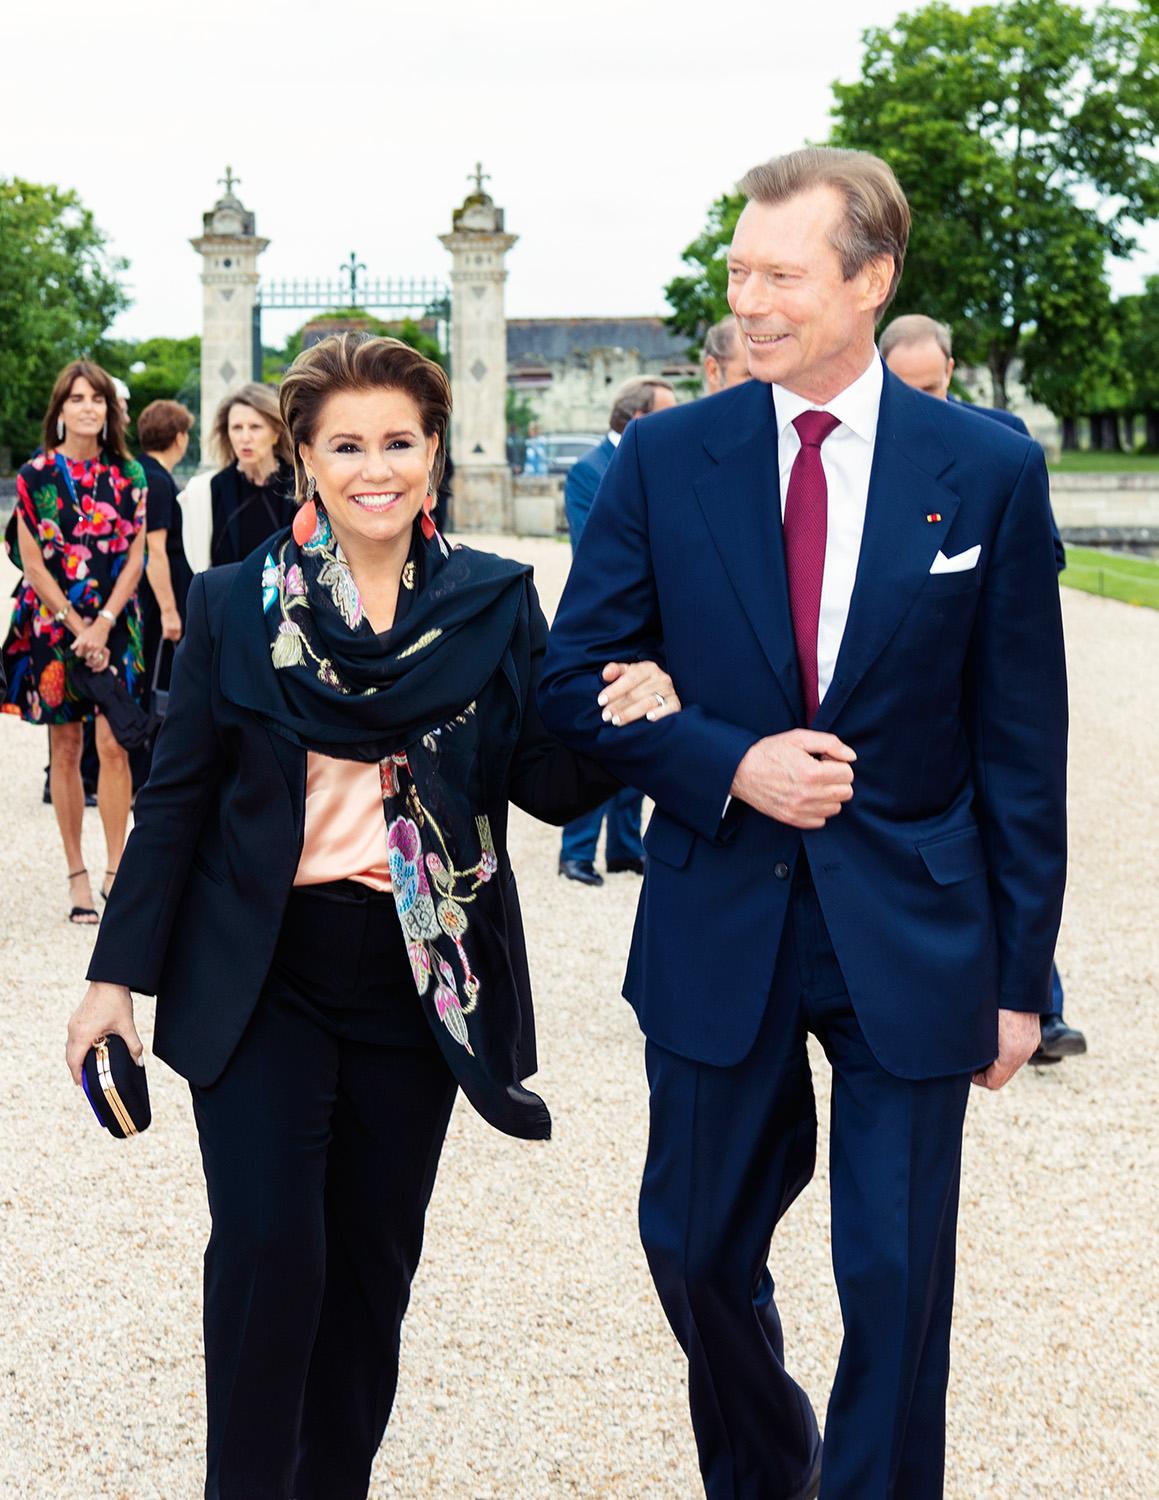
point(920, 351)
point(859, 825)
point(623, 851)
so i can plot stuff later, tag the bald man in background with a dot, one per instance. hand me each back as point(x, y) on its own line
point(919, 350)
point(723, 358)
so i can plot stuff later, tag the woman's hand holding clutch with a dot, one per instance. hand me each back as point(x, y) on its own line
point(637, 690)
point(106, 1008)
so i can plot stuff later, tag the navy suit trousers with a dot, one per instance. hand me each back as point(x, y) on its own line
point(622, 812)
point(730, 1148)
point(320, 1142)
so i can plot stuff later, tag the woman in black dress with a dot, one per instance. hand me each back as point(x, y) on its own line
point(318, 892)
point(253, 495)
point(163, 430)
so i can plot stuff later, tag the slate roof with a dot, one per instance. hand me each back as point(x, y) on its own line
point(556, 340)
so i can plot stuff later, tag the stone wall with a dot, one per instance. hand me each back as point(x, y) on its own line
point(1095, 508)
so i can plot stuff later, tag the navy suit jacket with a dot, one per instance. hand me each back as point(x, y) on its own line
point(1008, 419)
point(579, 490)
point(942, 881)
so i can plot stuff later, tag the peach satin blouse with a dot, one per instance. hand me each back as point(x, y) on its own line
point(345, 836)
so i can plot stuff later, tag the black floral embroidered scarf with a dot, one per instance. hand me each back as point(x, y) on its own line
point(305, 659)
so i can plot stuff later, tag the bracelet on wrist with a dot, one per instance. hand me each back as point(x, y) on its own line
point(105, 614)
point(61, 615)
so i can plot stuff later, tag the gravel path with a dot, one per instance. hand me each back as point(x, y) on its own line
point(536, 1361)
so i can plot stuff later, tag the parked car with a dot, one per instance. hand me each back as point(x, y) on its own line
point(563, 448)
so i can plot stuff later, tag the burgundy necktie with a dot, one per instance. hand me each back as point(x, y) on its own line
point(806, 524)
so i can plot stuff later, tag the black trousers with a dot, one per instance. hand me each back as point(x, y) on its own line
point(320, 1144)
point(729, 1150)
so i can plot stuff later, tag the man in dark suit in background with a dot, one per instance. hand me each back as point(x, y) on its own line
point(723, 358)
point(623, 850)
point(920, 351)
point(859, 825)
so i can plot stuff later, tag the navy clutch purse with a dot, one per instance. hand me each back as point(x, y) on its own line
point(116, 1088)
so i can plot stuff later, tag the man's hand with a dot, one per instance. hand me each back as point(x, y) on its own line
point(1019, 1033)
point(800, 778)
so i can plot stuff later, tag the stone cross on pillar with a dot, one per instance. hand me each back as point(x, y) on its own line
point(229, 250)
point(479, 246)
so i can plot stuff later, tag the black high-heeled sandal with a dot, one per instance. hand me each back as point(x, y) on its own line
point(104, 892)
point(79, 915)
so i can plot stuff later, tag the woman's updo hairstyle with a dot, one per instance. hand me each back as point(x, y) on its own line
point(363, 362)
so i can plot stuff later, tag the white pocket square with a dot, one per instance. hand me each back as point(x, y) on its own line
point(962, 563)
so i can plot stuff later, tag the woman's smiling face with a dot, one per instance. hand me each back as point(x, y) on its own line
point(371, 461)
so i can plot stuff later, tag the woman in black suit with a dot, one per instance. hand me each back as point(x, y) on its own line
point(318, 892)
point(252, 497)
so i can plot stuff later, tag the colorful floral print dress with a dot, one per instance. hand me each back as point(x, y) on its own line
point(85, 514)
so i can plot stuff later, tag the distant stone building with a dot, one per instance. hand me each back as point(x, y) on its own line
point(569, 368)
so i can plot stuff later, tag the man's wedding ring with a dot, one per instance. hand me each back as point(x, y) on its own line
point(660, 699)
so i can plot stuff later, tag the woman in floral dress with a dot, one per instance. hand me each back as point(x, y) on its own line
point(80, 544)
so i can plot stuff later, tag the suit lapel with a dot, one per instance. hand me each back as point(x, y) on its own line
point(740, 498)
point(900, 539)
point(292, 761)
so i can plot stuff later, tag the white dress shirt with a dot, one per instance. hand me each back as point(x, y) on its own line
point(846, 457)
point(614, 438)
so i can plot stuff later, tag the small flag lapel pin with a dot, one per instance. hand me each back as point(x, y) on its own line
point(933, 517)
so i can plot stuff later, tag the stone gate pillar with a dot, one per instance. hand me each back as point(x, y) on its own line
point(229, 250)
point(479, 246)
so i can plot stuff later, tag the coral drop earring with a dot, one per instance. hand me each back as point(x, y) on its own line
point(428, 524)
point(306, 520)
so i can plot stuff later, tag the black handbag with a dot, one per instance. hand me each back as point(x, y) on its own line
point(128, 720)
point(116, 1087)
point(158, 697)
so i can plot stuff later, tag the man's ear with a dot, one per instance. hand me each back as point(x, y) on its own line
point(877, 278)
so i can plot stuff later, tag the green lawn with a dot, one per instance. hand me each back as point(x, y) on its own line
point(1106, 463)
point(1135, 580)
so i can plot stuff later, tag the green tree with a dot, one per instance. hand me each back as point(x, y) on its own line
point(1021, 132)
point(161, 369)
point(58, 294)
point(1139, 333)
point(700, 299)
point(520, 414)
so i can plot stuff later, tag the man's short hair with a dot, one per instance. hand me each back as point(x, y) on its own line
point(636, 397)
point(721, 339)
point(915, 328)
point(877, 216)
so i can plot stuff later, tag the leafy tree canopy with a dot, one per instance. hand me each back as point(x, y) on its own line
point(700, 299)
point(1021, 132)
point(59, 292)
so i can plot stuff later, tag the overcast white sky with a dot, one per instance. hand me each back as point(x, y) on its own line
point(608, 128)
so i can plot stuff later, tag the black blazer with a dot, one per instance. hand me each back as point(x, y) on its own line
point(245, 514)
point(197, 907)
